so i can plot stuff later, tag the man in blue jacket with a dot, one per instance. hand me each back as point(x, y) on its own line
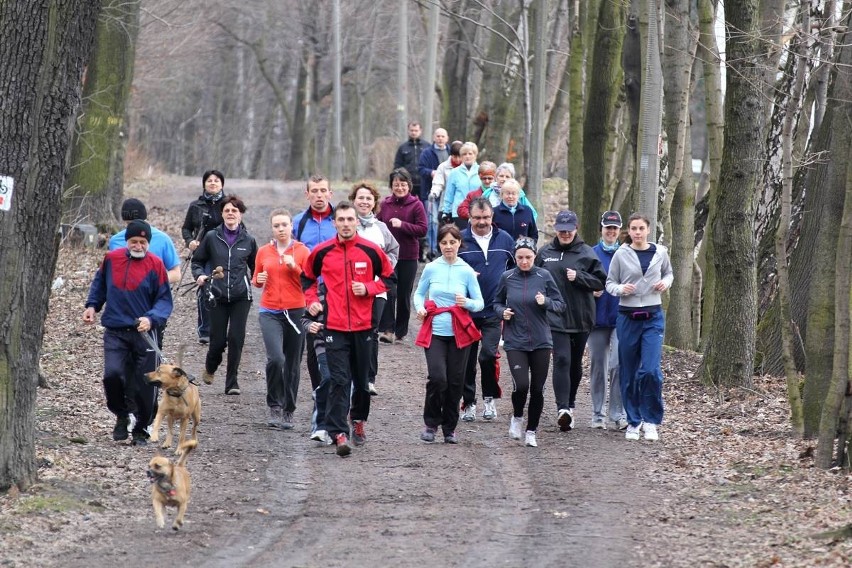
point(134, 287)
point(490, 252)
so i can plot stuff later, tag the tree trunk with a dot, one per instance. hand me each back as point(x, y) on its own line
point(708, 53)
point(96, 178)
point(678, 211)
point(603, 89)
point(456, 69)
point(818, 242)
point(580, 48)
point(43, 50)
point(729, 356)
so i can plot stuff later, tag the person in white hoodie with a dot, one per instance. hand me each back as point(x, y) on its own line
point(639, 273)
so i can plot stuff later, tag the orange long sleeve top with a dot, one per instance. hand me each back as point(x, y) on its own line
point(283, 287)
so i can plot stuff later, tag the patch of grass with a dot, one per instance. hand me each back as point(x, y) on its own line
point(51, 504)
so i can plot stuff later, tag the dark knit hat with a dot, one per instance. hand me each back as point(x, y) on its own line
point(133, 209)
point(138, 228)
point(525, 243)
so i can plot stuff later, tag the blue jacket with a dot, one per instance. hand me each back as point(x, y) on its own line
point(429, 162)
point(440, 282)
point(460, 182)
point(528, 329)
point(131, 288)
point(310, 232)
point(606, 307)
point(161, 245)
point(521, 223)
point(501, 257)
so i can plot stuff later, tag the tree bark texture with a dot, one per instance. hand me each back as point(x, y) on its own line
point(603, 90)
point(456, 69)
point(729, 357)
point(96, 178)
point(43, 49)
point(678, 211)
point(581, 48)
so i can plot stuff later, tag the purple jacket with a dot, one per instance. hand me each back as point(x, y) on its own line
point(410, 211)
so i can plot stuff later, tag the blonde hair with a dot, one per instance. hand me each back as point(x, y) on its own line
point(469, 146)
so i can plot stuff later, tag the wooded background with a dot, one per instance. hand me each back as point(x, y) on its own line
point(635, 94)
point(720, 121)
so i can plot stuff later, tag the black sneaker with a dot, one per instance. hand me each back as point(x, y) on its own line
point(343, 448)
point(204, 340)
point(140, 439)
point(450, 438)
point(120, 433)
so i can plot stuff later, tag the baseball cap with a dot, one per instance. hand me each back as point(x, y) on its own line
point(611, 219)
point(566, 221)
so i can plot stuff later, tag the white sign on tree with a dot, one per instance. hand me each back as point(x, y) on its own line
point(7, 184)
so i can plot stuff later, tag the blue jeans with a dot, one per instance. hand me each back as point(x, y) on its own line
point(432, 212)
point(640, 348)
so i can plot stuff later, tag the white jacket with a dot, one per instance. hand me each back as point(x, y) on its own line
point(625, 269)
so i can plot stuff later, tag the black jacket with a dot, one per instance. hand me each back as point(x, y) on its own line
point(408, 157)
point(203, 216)
point(579, 314)
point(237, 261)
point(529, 329)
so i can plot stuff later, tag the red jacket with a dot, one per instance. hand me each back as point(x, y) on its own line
point(464, 206)
point(464, 330)
point(340, 263)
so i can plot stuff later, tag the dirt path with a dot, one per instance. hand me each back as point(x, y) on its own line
point(273, 498)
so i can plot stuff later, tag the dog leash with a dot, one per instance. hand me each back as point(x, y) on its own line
point(152, 343)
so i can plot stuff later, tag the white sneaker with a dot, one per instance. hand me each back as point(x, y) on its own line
point(597, 424)
point(620, 424)
point(469, 413)
point(372, 388)
point(565, 419)
point(530, 439)
point(515, 427)
point(322, 436)
point(651, 432)
point(490, 409)
point(632, 432)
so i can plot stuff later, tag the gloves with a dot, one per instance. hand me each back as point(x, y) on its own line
point(435, 193)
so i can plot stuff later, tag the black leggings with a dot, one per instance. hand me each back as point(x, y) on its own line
point(227, 330)
point(568, 351)
point(529, 367)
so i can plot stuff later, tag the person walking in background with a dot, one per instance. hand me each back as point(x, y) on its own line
point(489, 251)
point(203, 215)
point(231, 248)
point(365, 197)
point(486, 178)
point(445, 296)
point(161, 245)
point(603, 340)
point(505, 172)
point(348, 266)
point(134, 287)
point(405, 216)
point(578, 274)
point(408, 156)
point(439, 181)
point(461, 181)
point(512, 216)
point(311, 227)
point(639, 273)
point(524, 297)
point(432, 157)
point(278, 270)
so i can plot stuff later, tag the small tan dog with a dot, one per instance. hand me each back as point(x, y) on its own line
point(180, 401)
point(170, 484)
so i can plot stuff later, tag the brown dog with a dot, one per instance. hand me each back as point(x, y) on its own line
point(180, 401)
point(170, 484)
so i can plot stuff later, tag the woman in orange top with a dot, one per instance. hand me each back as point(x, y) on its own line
point(278, 269)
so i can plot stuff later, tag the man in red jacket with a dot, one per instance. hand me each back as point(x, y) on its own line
point(354, 271)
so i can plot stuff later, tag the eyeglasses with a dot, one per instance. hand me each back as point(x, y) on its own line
point(480, 218)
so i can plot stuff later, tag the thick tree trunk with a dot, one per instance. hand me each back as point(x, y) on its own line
point(43, 49)
point(96, 178)
point(818, 242)
point(729, 356)
point(603, 90)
